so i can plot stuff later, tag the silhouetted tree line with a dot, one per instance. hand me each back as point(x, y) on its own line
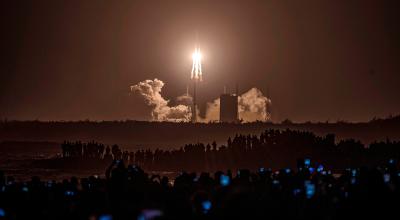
point(170, 134)
point(272, 148)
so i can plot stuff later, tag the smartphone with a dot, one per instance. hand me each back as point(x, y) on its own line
point(307, 162)
point(310, 189)
point(105, 217)
point(224, 180)
point(353, 172)
point(69, 193)
point(386, 177)
point(206, 205)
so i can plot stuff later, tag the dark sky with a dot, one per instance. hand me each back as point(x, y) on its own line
point(320, 60)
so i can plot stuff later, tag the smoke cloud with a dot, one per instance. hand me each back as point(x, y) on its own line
point(252, 105)
point(150, 90)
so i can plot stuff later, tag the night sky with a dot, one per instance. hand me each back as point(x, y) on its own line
point(318, 60)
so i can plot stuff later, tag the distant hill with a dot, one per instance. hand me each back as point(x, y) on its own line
point(140, 134)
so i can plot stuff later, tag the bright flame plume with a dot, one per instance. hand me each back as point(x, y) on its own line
point(196, 68)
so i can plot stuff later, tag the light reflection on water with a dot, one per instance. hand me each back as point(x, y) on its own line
point(19, 166)
point(17, 163)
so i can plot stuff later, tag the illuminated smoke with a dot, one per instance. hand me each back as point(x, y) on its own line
point(150, 90)
point(196, 73)
point(252, 105)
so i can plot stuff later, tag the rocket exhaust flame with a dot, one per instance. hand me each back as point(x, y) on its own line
point(196, 76)
point(196, 68)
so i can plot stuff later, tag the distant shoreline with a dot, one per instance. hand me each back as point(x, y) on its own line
point(166, 135)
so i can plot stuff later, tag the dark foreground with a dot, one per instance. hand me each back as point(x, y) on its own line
point(309, 192)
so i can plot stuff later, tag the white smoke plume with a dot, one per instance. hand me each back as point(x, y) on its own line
point(252, 105)
point(150, 90)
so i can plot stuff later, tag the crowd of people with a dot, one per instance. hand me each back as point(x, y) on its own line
point(127, 192)
point(272, 148)
point(210, 184)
